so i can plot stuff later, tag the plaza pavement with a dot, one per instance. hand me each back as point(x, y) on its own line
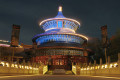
point(56, 77)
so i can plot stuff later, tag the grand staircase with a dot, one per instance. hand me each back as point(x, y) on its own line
point(59, 72)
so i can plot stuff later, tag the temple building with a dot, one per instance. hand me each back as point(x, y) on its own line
point(60, 46)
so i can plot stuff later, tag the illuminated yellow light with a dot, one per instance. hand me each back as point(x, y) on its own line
point(22, 66)
point(20, 46)
point(111, 65)
point(74, 67)
point(91, 68)
point(30, 67)
point(19, 66)
point(7, 64)
point(59, 19)
point(98, 67)
point(36, 69)
point(12, 65)
point(88, 68)
point(84, 69)
point(60, 9)
point(115, 65)
point(3, 63)
point(102, 66)
point(16, 65)
point(45, 69)
point(27, 67)
point(105, 66)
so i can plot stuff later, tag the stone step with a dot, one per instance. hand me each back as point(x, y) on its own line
point(59, 71)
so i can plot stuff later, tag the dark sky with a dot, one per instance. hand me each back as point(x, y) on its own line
point(92, 14)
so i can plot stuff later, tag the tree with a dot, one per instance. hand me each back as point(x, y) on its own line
point(95, 45)
point(114, 48)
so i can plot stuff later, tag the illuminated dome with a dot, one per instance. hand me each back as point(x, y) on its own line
point(60, 46)
point(60, 22)
point(59, 30)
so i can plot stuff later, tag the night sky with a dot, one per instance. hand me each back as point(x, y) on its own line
point(92, 14)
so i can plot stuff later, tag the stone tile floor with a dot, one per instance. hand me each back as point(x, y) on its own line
point(56, 77)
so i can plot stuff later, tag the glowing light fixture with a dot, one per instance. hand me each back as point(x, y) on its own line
point(111, 65)
point(7, 64)
point(58, 28)
point(3, 63)
point(115, 65)
point(59, 19)
point(105, 66)
point(60, 9)
point(88, 68)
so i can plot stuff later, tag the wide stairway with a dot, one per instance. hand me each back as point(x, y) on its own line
point(60, 72)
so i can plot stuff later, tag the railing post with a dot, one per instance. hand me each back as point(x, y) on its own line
point(28, 66)
point(108, 62)
point(119, 60)
point(32, 67)
point(77, 69)
point(23, 66)
point(100, 63)
point(90, 67)
point(18, 65)
point(94, 66)
point(18, 62)
point(41, 68)
point(9, 60)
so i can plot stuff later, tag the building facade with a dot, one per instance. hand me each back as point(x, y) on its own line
point(60, 46)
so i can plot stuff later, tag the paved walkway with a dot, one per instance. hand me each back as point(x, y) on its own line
point(57, 77)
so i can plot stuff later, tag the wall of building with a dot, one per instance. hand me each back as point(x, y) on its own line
point(101, 69)
point(8, 51)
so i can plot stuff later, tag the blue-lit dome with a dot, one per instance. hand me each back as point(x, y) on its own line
point(60, 46)
point(59, 29)
point(60, 22)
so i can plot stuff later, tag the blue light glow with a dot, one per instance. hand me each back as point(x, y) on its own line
point(59, 24)
point(59, 38)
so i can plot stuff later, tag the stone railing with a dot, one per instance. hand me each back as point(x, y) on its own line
point(101, 69)
point(45, 69)
point(24, 68)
